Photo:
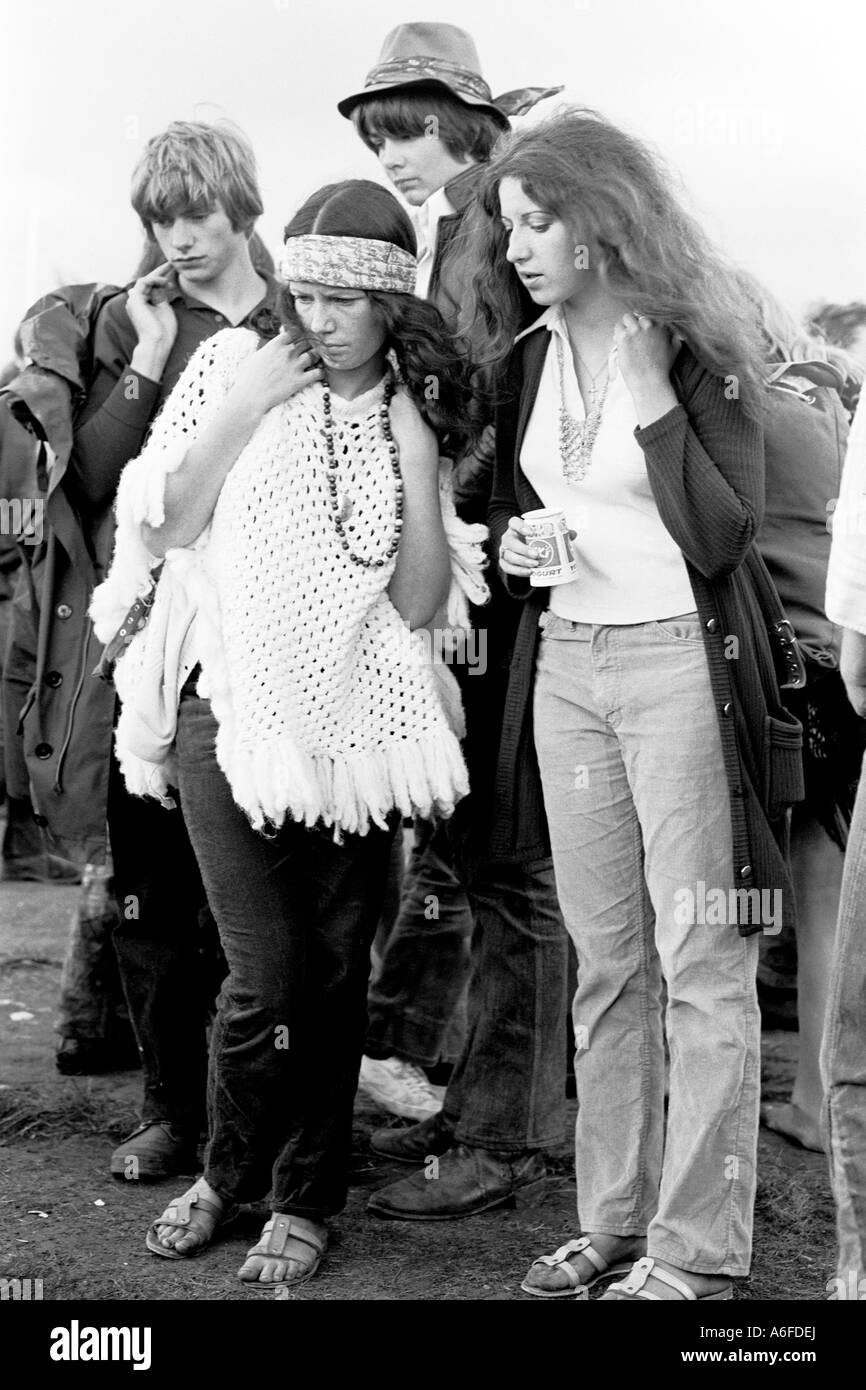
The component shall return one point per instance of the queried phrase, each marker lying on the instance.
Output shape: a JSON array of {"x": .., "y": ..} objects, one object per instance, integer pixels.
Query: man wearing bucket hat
[{"x": 428, "y": 114}]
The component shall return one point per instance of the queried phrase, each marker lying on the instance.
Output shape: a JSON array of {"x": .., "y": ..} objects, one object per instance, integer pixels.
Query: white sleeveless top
[{"x": 631, "y": 569}]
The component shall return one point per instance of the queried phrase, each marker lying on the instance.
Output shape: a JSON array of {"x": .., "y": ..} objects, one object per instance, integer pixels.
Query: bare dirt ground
[{"x": 65, "y": 1220}]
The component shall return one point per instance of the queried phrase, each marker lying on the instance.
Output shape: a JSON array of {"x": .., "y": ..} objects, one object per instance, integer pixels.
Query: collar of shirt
[
  {"x": 552, "y": 319},
  {"x": 261, "y": 317},
  {"x": 426, "y": 221}
]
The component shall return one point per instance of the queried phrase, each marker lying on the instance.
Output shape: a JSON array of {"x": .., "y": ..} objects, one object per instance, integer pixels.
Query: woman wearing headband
[
  {"x": 634, "y": 407},
  {"x": 293, "y": 489}
]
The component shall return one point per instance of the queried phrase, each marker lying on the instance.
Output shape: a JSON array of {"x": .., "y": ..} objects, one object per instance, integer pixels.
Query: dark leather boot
[
  {"x": 463, "y": 1182},
  {"x": 413, "y": 1144},
  {"x": 154, "y": 1151}
]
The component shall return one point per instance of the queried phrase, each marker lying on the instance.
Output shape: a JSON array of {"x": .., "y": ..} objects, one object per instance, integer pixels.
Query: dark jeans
[
  {"x": 167, "y": 951},
  {"x": 91, "y": 1005},
  {"x": 417, "y": 1003},
  {"x": 297, "y": 914},
  {"x": 508, "y": 1086}
]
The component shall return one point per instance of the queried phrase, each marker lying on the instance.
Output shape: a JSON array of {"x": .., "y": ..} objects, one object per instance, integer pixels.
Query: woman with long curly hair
[
  {"x": 642, "y": 684},
  {"x": 281, "y": 684}
]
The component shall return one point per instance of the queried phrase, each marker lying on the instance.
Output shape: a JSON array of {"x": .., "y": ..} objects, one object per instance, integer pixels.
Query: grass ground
[{"x": 65, "y": 1220}]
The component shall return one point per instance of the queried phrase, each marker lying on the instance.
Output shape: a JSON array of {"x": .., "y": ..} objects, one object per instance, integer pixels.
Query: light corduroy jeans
[{"x": 638, "y": 805}]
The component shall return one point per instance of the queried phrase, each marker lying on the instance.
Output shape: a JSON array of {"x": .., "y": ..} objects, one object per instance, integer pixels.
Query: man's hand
[
  {"x": 852, "y": 664},
  {"x": 154, "y": 321}
]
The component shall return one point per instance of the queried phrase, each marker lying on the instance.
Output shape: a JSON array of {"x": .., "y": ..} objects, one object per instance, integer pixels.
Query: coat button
[
  {"x": 746, "y": 871},
  {"x": 53, "y": 678},
  {"x": 712, "y": 625},
  {"x": 727, "y": 709},
  {"x": 43, "y": 750},
  {"x": 63, "y": 610},
  {"x": 41, "y": 821}
]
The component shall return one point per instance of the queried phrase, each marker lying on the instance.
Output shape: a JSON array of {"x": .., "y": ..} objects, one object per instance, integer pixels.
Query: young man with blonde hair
[{"x": 195, "y": 189}]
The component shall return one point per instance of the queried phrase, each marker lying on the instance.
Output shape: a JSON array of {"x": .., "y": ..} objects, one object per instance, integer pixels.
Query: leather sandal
[
  {"x": 559, "y": 1260},
  {"x": 634, "y": 1286},
  {"x": 180, "y": 1212},
  {"x": 275, "y": 1234}
]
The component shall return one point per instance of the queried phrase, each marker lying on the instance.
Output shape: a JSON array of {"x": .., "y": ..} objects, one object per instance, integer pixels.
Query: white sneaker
[{"x": 398, "y": 1087}]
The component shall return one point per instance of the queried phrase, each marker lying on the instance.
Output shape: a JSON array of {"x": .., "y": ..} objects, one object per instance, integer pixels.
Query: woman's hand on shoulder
[
  {"x": 274, "y": 373},
  {"x": 415, "y": 440},
  {"x": 645, "y": 353}
]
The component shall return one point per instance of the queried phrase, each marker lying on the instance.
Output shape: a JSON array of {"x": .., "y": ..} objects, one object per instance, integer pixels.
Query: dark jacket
[
  {"x": 805, "y": 436},
  {"x": 473, "y": 473},
  {"x": 18, "y": 458},
  {"x": 705, "y": 464},
  {"x": 94, "y": 414},
  {"x": 483, "y": 684},
  {"x": 51, "y": 613},
  {"x": 446, "y": 289}
]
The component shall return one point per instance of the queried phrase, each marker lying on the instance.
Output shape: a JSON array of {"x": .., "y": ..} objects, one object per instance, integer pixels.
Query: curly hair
[
  {"x": 586, "y": 172},
  {"x": 432, "y": 362},
  {"x": 789, "y": 339}
]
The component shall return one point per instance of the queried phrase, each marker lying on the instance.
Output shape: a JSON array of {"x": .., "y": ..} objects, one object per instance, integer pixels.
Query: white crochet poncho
[{"x": 329, "y": 710}]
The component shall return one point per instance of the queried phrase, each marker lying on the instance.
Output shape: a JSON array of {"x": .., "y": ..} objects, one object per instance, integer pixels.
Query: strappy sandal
[
  {"x": 559, "y": 1260},
  {"x": 179, "y": 1212},
  {"x": 275, "y": 1233},
  {"x": 635, "y": 1285}
]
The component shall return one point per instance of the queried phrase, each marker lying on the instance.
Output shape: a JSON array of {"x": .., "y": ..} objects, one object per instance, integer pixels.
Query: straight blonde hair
[{"x": 191, "y": 168}]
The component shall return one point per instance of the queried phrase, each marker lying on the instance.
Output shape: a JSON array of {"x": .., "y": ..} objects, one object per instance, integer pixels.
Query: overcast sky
[{"x": 757, "y": 103}]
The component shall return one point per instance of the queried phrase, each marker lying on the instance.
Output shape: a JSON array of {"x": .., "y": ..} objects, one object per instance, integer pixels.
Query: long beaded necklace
[
  {"x": 577, "y": 437},
  {"x": 338, "y": 509}
]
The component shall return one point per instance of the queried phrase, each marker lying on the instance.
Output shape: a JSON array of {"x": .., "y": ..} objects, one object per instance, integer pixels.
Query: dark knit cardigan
[{"x": 705, "y": 464}]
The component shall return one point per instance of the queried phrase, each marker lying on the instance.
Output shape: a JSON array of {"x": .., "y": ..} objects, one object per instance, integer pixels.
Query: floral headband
[{"x": 349, "y": 262}]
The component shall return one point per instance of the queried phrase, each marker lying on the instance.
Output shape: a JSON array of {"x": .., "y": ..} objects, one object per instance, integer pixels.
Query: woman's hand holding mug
[{"x": 518, "y": 556}]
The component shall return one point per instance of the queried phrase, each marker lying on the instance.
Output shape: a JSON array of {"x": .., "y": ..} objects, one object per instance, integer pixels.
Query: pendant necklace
[
  {"x": 339, "y": 506},
  {"x": 577, "y": 437},
  {"x": 593, "y": 389}
]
